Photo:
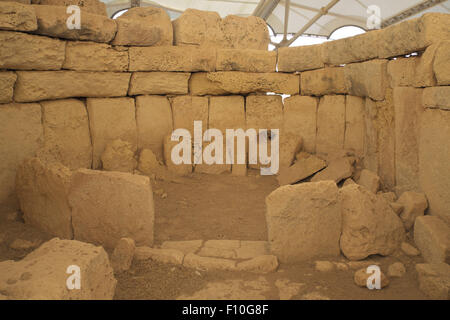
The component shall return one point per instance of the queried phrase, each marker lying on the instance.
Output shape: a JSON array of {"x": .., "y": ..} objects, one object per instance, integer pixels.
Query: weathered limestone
[
  {"x": 434, "y": 172},
  {"x": 119, "y": 156},
  {"x": 414, "y": 205},
  {"x": 409, "y": 250},
  {"x": 441, "y": 64},
  {"x": 187, "y": 109},
  {"x": 324, "y": 266},
  {"x": 91, "y": 56},
  {"x": 371, "y": 148},
  {"x": 151, "y": 166},
  {"x": 369, "y": 180},
  {"x": 181, "y": 169},
  {"x": 396, "y": 270},
  {"x": 359, "y": 84},
  {"x": 7, "y": 81},
  {"x": 226, "y": 112},
  {"x": 16, "y": 16},
  {"x": 361, "y": 276},
  {"x": 108, "y": 206},
  {"x": 369, "y": 226},
  {"x": 300, "y": 58},
  {"x": 354, "y": 124},
  {"x": 159, "y": 83},
  {"x": 402, "y": 72},
  {"x": 123, "y": 254},
  {"x": 21, "y": 135},
  {"x": 44, "y": 273},
  {"x": 194, "y": 261},
  {"x": 200, "y": 85},
  {"x": 43, "y": 189},
  {"x": 247, "y": 60},
  {"x": 66, "y": 132},
  {"x": 432, "y": 238},
  {"x": 436, "y": 97},
  {"x": 290, "y": 144},
  {"x": 21, "y": 51},
  {"x": 49, "y": 85},
  {"x": 337, "y": 170},
  {"x": 171, "y": 256},
  {"x": 135, "y": 33},
  {"x": 323, "y": 82},
  {"x": 300, "y": 114},
  {"x": 264, "y": 112},
  {"x": 153, "y": 16},
  {"x": 245, "y": 33},
  {"x": 252, "y": 249},
  {"x": 424, "y": 75},
  {"x": 304, "y": 221},
  {"x": 91, "y": 6},
  {"x": 188, "y": 246},
  {"x": 260, "y": 264},
  {"x": 242, "y": 83},
  {"x": 103, "y": 113},
  {"x": 434, "y": 280},
  {"x": 154, "y": 122},
  {"x": 330, "y": 124},
  {"x": 52, "y": 21},
  {"x": 172, "y": 58},
  {"x": 300, "y": 170}
]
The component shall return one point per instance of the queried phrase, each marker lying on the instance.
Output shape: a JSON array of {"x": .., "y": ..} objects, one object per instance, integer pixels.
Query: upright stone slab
[
  {"x": 264, "y": 112},
  {"x": 7, "y": 81},
  {"x": 370, "y": 160},
  {"x": 424, "y": 73},
  {"x": 108, "y": 206},
  {"x": 436, "y": 98},
  {"x": 200, "y": 85},
  {"x": 354, "y": 124},
  {"x": 402, "y": 72},
  {"x": 301, "y": 58},
  {"x": 18, "y": 17},
  {"x": 330, "y": 124},
  {"x": 441, "y": 64},
  {"x": 247, "y": 60},
  {"x": 159, "y": 83},
  {"x": 432, "y": 238},
  {"x": 359, "y": 84},
  {"x": 323, "y": 81},
  {"x": 111, "y": 119},
  {"x": 187, "y": 109}
]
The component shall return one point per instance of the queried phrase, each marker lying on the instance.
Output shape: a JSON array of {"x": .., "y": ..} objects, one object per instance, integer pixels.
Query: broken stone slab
[
  {"x": 21, "y": 51},
  {"x": 300, "y": 58},
  {"x": 402, "y": 71},
  {"x": 108, "y": 206},
  {"x": 290, "y": 144},
  {"x": 192, "y": 260},
  {"x": 159, "y": 83},
  {"x": 247, "y": 60},
  {"x": 260, "y": 264},
  {"x": 17, "y": 16},
  {"x": 369, "y": 226},
  {"x": 414, "y": 205},
  {"x": 361, "y": 276},
  {"x": 52, "y": 21},
  {"x": 358, "y": 84},
  {"x": 119, "y": 156},
  {"x": 432, "y": 238},
  {"x": 7, "y": 81},
  {"x": 171, "y": 58},
  {"x": 300, "y": 170},
  {"x": 123, "y": 254},
  {"x": 252, "y": 249},
  {"x": 43, "y": 190},
  {"x": 51, "y": 85},
  {"x": 337, "y": 170},
  {"x": 409, "y": 250},
  {"x": 187, "y": 246},
  {"x": 369, "y": 180},
  {"x": 436, "y": 98},
  {"x": 91, "y": 6},
  {"x": 441, "y": 64},
  {"x": 22, "y": 244},
  {"x": 217, "y": 253},
  {"x": 171, "y": 256},
  {"x": 304, "y": 221},
  {"x": 434, "y": 280},
  {"x": 45, "y": 273},
  {"x": 396, "y": 270},
  {"x": 91, "y": 56},
  {"x": 323, "y": 82},
  {"x": 200, "y": 85},
  {"x": 222, "y": 244}
]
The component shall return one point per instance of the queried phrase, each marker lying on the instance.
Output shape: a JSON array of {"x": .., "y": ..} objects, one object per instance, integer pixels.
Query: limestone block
[
  {"x": 91, "y": 6},
  {"x": 119, "y": 156},
  {"x": 247, "y": 60},
  {"x": 187, "y": 246},
  {"x": 424, "y": 74},
  {"x": 290, "y": 144},
  {"x": 181, "y": 169},
  {"x": 434, "y": 279},
  {"x": 323, "y": 81},
  {"x": 432, "y": 238},
  {"x": 371, "y": 149},
  {"x": 354, "y": 124},
  {"x": 226, "y": 112},
  {"x": 300, "y": 170},
  {"x": 200, "y": 85},
  {"x": 330, "y": 124},
  {"x": 252, "y": 249},
  {"x": 301, "y": 58},
  {"x": 359, "y": 84},
  {"x": 264, "y": 112},
  {"x": 260, "y": 264},
  {"x": 171, "y": 256},
  {"x": 135, "y": 33},
  {"x": 337, "y": 170},
  {"x": 108, "y": 206},
  {"x": 192, "y": 260},
  {"x": 7, "y": 81},
  {"x": 414, "y": 205},
  {"x": 245, "y": 32},
  {"x": 361, "y": 276},
  {"x": 436, "y": 97},
  {"x": 17, "y": 16},
  {"x": 123, "y": 254},
  {"x": 187, "y": 109},
  {"x": 402, "y": 72},
  {"x": 159, "y": 83},
  {"x": 441, "y": 64},
  {"x": 369, "y": 180}
]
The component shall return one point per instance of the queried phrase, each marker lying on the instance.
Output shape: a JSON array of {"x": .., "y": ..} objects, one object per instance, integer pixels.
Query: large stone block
[
  {"x": 21, "y": 135},
  {"x": 48, "y": 85},
  {"x": 323, "y": 81},
  {"x": 43, "y": 190},
  {"x": 200, "y": 85},
  {"x": 247, "y": 60},
  {"x": 52, "y": 21},
  {"x": 304, "y": 221},
  {"x": 264, "y": 112},
  {"x": 432, "y": 238},
  {"x": 159, "y": 83},
  {"x": 300, "y": 58},
  {"x": 7, "y": 81},
  {"x": 91, "y": 6},
  {"x": 181, "y": 169},
  {"x": 359, "y": 84},
  {"x": 187, "y": 109},
  {"x": 242, "y": 83},
  {"x": 301, "y": 169},
  {"x": 135, "y": 33},
  {"x": 66, "y": 132},
  {"x": 424, "y": 74},
  {"x": 441, "y": 64},
  {"x": 119, "y": 156},
  {"x": 354, "y": 124},
  {"x": 91, "y": 56},
  {"x": 369, "y": 226},
  {"x": 108, "y": 206},
  {"x": 330, "y": 124},
  {"x": 436, "y": 98},
  {"x": 434, "y": 280},
  {"x": 22, "y": 51},
  {"x": 226, "y": 113},
  {"x": 111, "y": 119},
  {"x": 44, "y": 273},
  {"x": 370, "y": 159},
  {"x": 245, "y": 32},
  {"x": 434, "y": 172},
  {"x": 16, "y": 16},
  {"x": 154, "y": 122},
  {"x": 172, "y": 59},
  {"x": 402, "y": 71}
]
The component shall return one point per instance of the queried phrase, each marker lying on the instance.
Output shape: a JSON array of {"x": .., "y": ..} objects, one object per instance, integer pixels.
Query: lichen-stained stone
[
  {"x": 172, "y": 58},
  {"x": 436, "y": 97},
  {"x": 247, "y": 60},
  {"x": 21, "y": 51},
  {"x": 424, "y": 74},
  {"x": 43, "y": 189},
  {"x": 66, "y": 132},
  {"x": 159, "y": 83},
  {"x": 155, "y": 17},
  {"x": 91, "y": 6},
  {"x": 52, "y": 21},
  {"x": 200, "y": 85},
  {"x": 187, "y": 109},
  {"x": 434, "y": 172},
  {"x": 300, "y": 115},
  {"x": 300, "y": 58},
  {"x": 402, "y": 72},
  {"x": 323, "y": 81},
  {"x": 91, "y": 56},
  {"x": 245, "y": 32},
  {"x": 154, "y": 122},
  {"x": 441, "y": 64},
  {"x": 359, "y": 84},
  {"x": 304, "y": 221},
  {"x": 354, "y": 124},
  {"x": 330, "y": 124},
  {"x": 134, "y": 33},
  {"x": 48, "y": 85},
  {"x": 21, "y": 135},
  {"x": 18, "y": 17},
  {"x": 264, "y": 112},
  {"x": 108, "y": 206},
  {"x": 353, "y": 49},
  {"x": 236, "y": 82},
  {"x": 111, "y": 119},
  {"x": 7, "y": 81}
]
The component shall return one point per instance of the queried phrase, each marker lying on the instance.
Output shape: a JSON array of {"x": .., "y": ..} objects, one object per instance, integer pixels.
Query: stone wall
[{"x": 139, "y": 77}]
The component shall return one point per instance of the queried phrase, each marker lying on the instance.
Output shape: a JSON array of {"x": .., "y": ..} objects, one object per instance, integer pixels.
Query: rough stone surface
[
  {"x": 300, "y": 58},
  {"x": 434, "y": 280},
  {"x": 264, "y": 112},
  {"x": 171, "y": 256},
  {"x": 261, "y": 264},
  {"x": 16, "y": 16},
  {"x": 7, "y": 81},
  {"x": 354, "y": 124},
  {"x": 369, "y": 180},
  {"x": 300, "y": 170},
  {"x": 409, "y": 250},
  {"x": 111, "y": 119},
  {"x": 323, "y": 81},
  {"x": 436, "y": 98},
  {"x": 337, "y": 170},
  {"x": 414, "y": 205},
  {"x": 108, "y": 206},
  {"x": 330, "y": 124},
  {"x": 252, "y": 249},
  {"x": 290, "y": 144},
  {"x": 441, "y": 64},
  {"x": 369, "y": 226},
  {"x": 304, "y": 221},
  {"x": 43, "y": 274},
  {"x": 402, "y": 71},
  {"x": 187, "y": 109},
  {"x": 118, "y": 156},
  {"x": 424, "y": 74},
  {"x": 247, "y": 60},
  {"x": 245, "y": 32},
  {"x": 132, "y": 32},
  {"x": 359, "y": 84},
  {"x": 188, "y": 246},
  {"x": 182, "y": 169},
  {"x": 432, "y": 238},
  {"x": 151, "y": 166},
  {"x": 396, "y": 270},
  {"x": 123, "y": 254},
  {"x": 49, "y": 85},
  {"x": 324, "y": 266},
  {"x": 200, "y": 85},
  {"x": 207, "y": 263},
  {"x": 91, "y": 6},
  {"x": 159, "y": 83},
  {"x": 361, "y": 277}
]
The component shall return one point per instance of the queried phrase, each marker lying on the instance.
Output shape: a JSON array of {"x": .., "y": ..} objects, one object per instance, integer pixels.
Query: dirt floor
[{"x": 223, "y": 207}]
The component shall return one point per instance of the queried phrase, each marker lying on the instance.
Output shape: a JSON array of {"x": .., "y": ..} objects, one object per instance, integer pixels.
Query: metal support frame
[
  {"x": 410, "y": 12},
  {"x": 287, "y": 6},
  {"x": 135, "y": 3},
  {"x": 265, "y": 8}
]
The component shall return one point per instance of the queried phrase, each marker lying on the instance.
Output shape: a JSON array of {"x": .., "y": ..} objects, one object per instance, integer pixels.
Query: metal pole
[{"x": 287, "y": 5}]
